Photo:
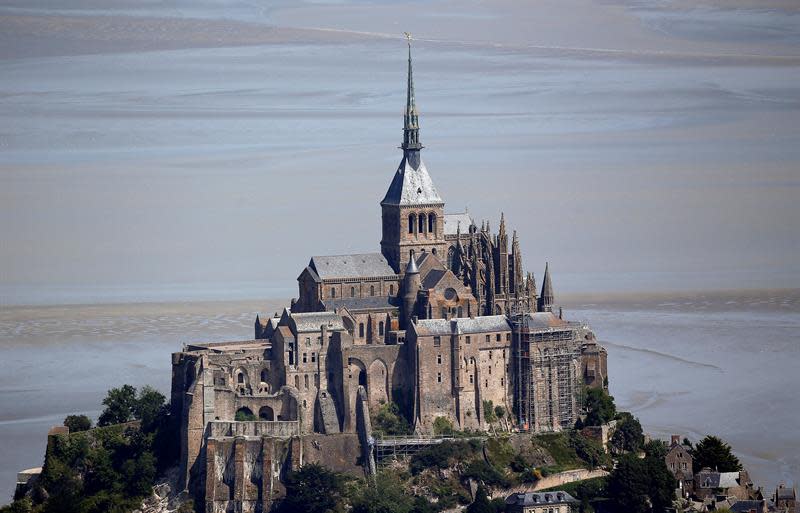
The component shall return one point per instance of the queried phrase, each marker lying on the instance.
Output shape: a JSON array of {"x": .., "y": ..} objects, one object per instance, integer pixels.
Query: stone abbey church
[{"x": 444, "y": 321}]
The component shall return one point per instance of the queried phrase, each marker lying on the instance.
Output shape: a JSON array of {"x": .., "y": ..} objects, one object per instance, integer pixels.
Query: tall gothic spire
[
  {"x": 546, "y": 298},
  {"x": 411, "y": 119}
]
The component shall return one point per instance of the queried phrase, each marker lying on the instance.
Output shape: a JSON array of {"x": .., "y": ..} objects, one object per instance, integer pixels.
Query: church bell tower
[{"x": 412, "y": 210}]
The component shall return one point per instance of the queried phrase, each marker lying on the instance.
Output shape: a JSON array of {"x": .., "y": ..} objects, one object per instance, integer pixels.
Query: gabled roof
[
  {"x": 466, "y": 325},
  {"x": 538, "y": 498},
  {"x": 411, "y": 185},
  {"x": 362, "y": 265},
  {"x": 355, "y": 304},
  {"x": 453, "y": 221},
  {"x": 747, "y": 506},
  {"x": 543, "y": 320},
  {"x": 312, "y": 321}
]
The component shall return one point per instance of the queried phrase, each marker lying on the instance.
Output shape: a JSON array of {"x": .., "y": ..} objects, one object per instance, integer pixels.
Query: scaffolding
[{"x": 546, "y": 385}]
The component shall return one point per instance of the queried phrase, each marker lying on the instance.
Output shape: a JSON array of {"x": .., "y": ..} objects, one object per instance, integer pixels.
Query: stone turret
[{"x": 411, "y": 286}]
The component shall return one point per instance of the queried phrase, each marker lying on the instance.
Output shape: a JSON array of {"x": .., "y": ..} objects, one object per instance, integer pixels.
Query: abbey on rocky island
[{"x": 443, "y": 321}]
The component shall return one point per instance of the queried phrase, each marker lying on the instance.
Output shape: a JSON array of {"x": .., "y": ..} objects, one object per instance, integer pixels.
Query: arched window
[
  {"x": 264, "y": 376},
  {"x": 421, "y": 223},
  {"x": 361, "y": 330},
  {"x": 333, "y": 292},
  {"x": 297, "y": 381},
  {"x": 380, "y": 328},
  {"x": 352, "y": 292},
  {"x": 240, "y": 378},
  {"x": 372, "y": 290},
  {"x": 391, "y": 290},
  {"x": 412, "y": 219},
  {"x": 305, "y": 381},
  {"x": 433, "y": 250},
  {"x": 432, "y": 223},
  {"x": 451, "y": 254}
]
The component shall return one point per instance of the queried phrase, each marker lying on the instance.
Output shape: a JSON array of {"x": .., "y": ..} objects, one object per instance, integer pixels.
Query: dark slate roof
[
  {"x": 411, "y": 186},
  {"x": 362, "y": 303},
  {"x": 747, "y": 506},
  {"x": 364, "y": 265},
  {"x": 786, "y": 493},
  {"x": 310, "y": 322},
  {"x": 537, "y": 498},
  {"x": 453, "y": 221},
  {"x": 712, "y": 479},
  {"x": 466, "y": 325},
  {"x": 432, "y": 278}
]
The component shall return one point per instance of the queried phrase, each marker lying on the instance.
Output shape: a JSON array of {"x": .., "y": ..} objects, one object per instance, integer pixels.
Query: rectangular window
[
  {"x": 439, "y": 359},
  {"x": 497, "y": 337},
  {"x": 468, "y": 340},
  {"x": 313, "y": 357},
  {"x": 508, "y": 337},
  {"x": 305, "y": 357},
  {"x": 486, "y": 384},
  {"x": 308, "y": 341},
  {"x": 439, "y": 377},
  {"x": 437, "y": 341},
  {"x": 471, "y": 379},
  {"x": 502, "y": 382}
]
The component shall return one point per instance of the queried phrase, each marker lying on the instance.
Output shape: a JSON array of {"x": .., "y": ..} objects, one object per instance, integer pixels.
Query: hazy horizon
[{"x": 206, "y": 150}]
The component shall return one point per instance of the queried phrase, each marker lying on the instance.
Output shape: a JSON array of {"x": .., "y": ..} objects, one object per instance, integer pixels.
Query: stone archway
[
  {"x": 377, "y": 378},
  {"x": 266, "y": 413}
]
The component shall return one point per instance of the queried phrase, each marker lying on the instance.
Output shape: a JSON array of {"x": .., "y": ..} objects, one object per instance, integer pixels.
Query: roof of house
[
  {"x": 747, "y": 506},
  {"x": 713, "y": 479},
  {"x": 361, "y": 303},
  {"x": 363, "y": 265},
  {"x": 784, "y": 492},
  {"x": 541, "y": 320},
  {"x": 535, "y": 498},
  {"x": 411, "y": 185},
  {"x": 453, "y": 221},
  {"x": 466, "y": 325},
  {"x": 312, "y": 321}
]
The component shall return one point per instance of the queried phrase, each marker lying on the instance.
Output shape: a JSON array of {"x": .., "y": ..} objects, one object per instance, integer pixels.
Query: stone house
[
  {"x": 679, "y": 461},
  {"x": 708, "y": 483},
  {"x": 785, "y": 499},
  {"x": 541, "y": 502}
]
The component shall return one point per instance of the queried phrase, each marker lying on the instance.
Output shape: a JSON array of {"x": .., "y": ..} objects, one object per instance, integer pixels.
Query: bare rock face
[
  {"x": 164, "y": 499},
  {"x": 531, "y": 454}
]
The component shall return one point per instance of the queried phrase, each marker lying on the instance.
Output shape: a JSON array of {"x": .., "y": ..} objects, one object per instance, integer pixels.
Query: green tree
[
  {"x": 314, "y": 489},
  {"x": 499, "y": 411},
  {"x": 149, "y": 405},
  {"x": 588, "y": 450},
  {"x": 385, "y": 495},
  {"x": 714, "y": 453},
  {"x": 488, "y": 412},
  {"x": 655, "y": 449},
  {"x": 641, "y": 485},
  {"x": 120, "y": 404},
  {"x": 389, "y": 421},
  {"x": 600, "y": 407},
  {"x": 77, "y": 423},
  {"x": 628, "y": 437}
]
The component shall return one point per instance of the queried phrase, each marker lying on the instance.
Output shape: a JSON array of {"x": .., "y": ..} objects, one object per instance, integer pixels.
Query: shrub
[
  {"x": 440, "y": 456},
  {"x": 389, "y": 422},
  {"x": 485, "y": 473},
  {"x": 442, "y": 426},
  {"x": 488, "y": 412},
  {"x": 600, "y": 407}
]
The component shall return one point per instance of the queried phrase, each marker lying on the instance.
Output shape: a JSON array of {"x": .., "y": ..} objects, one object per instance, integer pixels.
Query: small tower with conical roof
[
  {"x": 546, "y": 298},
  {"x": 411, "y": 286}
]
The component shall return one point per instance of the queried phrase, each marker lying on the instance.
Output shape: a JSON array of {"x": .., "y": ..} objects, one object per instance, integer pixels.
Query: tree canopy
[
  {"x": 600, "y": 407},
  {"x": 314, "y": 489},
  {"x": 714, "y": 453},
  {"x": 77, "y": 423},
  {"x": 641, "y": 485},
  {"x": 628, "y": 437}
]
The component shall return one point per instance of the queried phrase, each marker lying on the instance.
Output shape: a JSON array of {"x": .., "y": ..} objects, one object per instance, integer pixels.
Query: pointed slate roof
[
  {"x": 547, "y": 284},
  {"x": 411, "y": 185}
]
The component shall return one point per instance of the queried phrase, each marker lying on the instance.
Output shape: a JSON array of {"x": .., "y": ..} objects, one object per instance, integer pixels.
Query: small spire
[
  {"x": 502, "y": 223},
  {"x": 546, "y": 298},
  {"x": 411, "y": 118}
]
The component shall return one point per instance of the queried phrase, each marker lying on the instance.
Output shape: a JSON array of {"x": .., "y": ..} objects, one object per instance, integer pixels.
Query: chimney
[{"x": 676, "y": 439}]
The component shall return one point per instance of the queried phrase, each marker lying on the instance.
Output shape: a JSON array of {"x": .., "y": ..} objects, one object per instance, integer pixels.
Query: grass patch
[{"x": 559, "y": 447}]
